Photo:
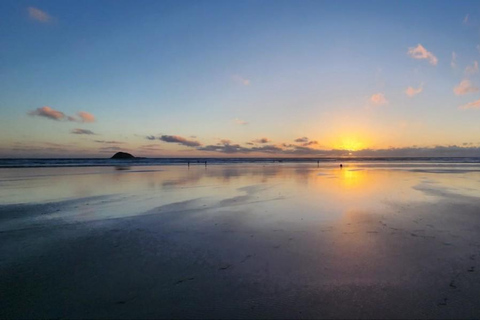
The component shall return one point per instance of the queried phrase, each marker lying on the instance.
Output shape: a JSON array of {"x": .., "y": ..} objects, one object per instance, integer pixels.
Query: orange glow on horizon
[{"x": 350, "y": 144}]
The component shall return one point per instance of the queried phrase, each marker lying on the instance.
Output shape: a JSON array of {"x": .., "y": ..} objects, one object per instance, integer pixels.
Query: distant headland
[{"x": 122, "y": 155}]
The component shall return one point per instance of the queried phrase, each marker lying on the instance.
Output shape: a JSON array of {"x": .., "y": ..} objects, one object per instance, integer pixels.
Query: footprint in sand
[
  {"x": 225, "y": 267},
  {"x": 452, "y": 284},
  {"x": 184, "y": 280},
  {"x": 443, "y": 302}
]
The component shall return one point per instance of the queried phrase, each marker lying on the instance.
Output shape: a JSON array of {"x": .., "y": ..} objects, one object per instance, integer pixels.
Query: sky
[{"x": 239, "y": 78}]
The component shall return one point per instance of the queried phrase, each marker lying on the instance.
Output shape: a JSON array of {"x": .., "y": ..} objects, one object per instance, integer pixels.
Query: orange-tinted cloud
[
  {"x": 471, "y": 105},
  {"x": 86, "y": 117},
  {"x": 48, "y": 112},
  {"x": 419, "y": 52},
  {"x": 410, "y": 91},
  {"x": 465, "y": 87},
  {"x": 53, "y": 114},
  {"x": 38, "y": 15},
  {"x": 378, "y": 99}
]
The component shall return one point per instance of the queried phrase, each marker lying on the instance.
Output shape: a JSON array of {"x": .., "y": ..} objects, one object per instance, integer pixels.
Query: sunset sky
[{"x": 239, "y": 78}]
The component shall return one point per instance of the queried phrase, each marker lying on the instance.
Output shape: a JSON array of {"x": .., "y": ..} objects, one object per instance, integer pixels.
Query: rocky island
[{"x": 122, "y": 155}]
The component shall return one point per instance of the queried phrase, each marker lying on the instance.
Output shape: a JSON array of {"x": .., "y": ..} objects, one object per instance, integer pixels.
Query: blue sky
[{"x": 211, "y": 71}]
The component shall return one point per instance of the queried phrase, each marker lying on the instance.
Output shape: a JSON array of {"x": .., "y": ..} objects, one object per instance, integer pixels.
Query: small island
[{"x": 122, "y": 155}]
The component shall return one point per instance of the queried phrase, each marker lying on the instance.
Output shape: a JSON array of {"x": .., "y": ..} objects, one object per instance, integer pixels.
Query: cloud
[
  {"x": 465, "y": 20},
  {"x": 241, "y": 80},
  {"x": 53, "y": 114},
  {"x": 109, "y": 141},
  {"x": 410, "y": 91},
  {"x": 262, "y": 140},
  {"x": 465, "y": 87},
  {"x": 419, "y": 52},
  {"x": 303, "y": 139},
  {"x": 225, "y": 141},
  {"x": 292, "y": 150},
  {"x": 226, "y": 148},
  {"x": 179, "y": 140},
  {"x": 81, "y": 131},
  {"x": 150, "y": 137},
  {"x": 310, "y": 143},
  {"x": 378, "y": 99},
  {"x": 471, "y": 105},
  {"x": 48, "y": 112},
  {"x": 241, "y": 122},
  {"x": 453, "y": 62},
  {"x": 38, "y": 15},
  {"x": 469, "y": 70},
  {"x": 86, "y": 117}
]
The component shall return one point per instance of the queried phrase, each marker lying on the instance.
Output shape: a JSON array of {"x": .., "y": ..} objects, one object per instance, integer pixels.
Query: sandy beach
[{"x": 370, "y": 240}]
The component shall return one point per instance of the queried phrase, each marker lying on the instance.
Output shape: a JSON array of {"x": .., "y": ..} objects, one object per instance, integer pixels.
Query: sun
[{"x": 350, "y": 144}]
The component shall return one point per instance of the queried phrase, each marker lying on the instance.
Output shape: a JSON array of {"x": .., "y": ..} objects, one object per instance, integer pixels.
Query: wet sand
[{"x": 241, "y": 241}]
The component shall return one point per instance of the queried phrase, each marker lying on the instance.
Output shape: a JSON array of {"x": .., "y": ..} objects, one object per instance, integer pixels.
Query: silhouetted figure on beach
[
  {"x": 341, "y": 166},
  {"x": 188, "y": 164},
  {"x": 205, "y": 163},
  {"x": 318, "y": 163}
]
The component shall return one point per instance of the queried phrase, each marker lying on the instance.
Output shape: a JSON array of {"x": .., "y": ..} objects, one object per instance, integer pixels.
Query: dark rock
[{"x": 122, "y": 155}]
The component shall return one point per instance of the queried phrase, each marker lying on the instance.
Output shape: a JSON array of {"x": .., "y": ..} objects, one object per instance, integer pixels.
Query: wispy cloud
[
  {"x": 48, "y": 112},
  {"x": 53, "y": 114},
  {"x": 469, "y": 70},
  {"x": 310, "y": 143},
  {"x": 453, "y": 62},
  {"x": 262, "y": 140},
  {"x": 241, "y": 122},
  {"x": 411, "y": 91},
  {"x": 109, "y": 141},
  {"x": 38, "y": 15},
  {"x": 419, "y": 52},
  {"x": 465, "y": 87},
  {"x": 176, "y": 139},
  {"x": 378, "y": 99},
  {"x": 81, "y": 131},
  {"x": 465, "y": 20},
  {"x": 304, "y": 142},
  {"x": 241, "y": 80},
  {"x": 471, "y": 105},
  {"x": 86, "y": 117},
  {"x": 302, "y": 139}
]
